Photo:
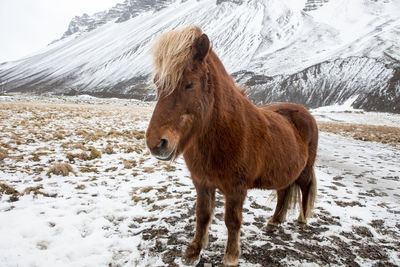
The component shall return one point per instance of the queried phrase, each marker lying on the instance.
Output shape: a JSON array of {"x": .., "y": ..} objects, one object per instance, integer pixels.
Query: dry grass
[
  {"x": 111, "y": 169},
  {"x": 109, "y": 149},
  {"x": 137, "y": 148},
  {"x": 146, "y": 189},
  {"x": 139, "y": 135},
  {"x": 9, "y": 190},
  {"x": 63, "y": 169},
  {"x": 34, "y": 134},
  {"x": 169, "y": 168},
  {"x": 94, "y": 153},
  {"x": 71, "y": 157},
  {"x": 36, "y": 156},
  {"x": 89, "y": 169},
  {"x": 129, "y": 164},
  {"x": 36, "y": 191},
  {"x": 3, "y": 154},
  {"x": 375, "y": 133},
  {"x": 149, "y": 169},
  {"x": 80, "y": 187}
]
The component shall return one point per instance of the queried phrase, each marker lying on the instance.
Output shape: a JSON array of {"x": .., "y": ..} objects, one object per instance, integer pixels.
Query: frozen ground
[{"x": 127, "y": 209}]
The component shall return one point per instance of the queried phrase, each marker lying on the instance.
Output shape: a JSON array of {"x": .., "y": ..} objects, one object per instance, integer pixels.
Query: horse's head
[{"x": 182, "y": 85}]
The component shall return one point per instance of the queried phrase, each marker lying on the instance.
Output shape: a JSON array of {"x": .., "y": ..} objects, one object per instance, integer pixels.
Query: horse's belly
[{"x": 283, "y": 171}]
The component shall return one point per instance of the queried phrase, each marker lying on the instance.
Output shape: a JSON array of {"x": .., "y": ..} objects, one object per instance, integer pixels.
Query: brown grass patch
[
  {"x": 36, "y": 156},
  {"x": 80, "y": 187},
  {"x": 61, "y": 169},
  {"x": 94, "y": 153},
  {"x": 36, "y": 191},
  {"x": 79, "y": 146},
  {"x": 3, "y": 154},
  {"x": 129, "y": 149},
  {"x": 149, "y": 169},
  {"x": 109, "y": 149},
  {"x": 59, "y": 136},
  {"x": 8, "y": 190},
  {"x": 129, "y": 164},
  {"x": 136, "y": 198},
  {"x": 111, "y": 169},
  {"x": 138, "y": 134},
  {"x": 146, "y": 189},
  {"x": 71, "y": 157},
  {"x": 169, "y": 168},
  {"x": 89, "y": 169},
  {"x": 83, "y": 156},
  {"x": 5, "y": 145},
  {"x": 375, "y": 133}
]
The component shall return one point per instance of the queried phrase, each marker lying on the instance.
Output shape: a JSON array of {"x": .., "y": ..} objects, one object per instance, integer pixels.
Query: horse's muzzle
[{"x": 162, "y": 150}]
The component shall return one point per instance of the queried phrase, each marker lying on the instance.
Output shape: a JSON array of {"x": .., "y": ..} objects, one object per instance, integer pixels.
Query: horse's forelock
[{"x": 172, "y": 52}]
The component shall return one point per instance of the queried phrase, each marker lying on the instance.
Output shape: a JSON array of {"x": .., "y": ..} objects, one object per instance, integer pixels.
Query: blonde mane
[{"x": 172, "y": 52}]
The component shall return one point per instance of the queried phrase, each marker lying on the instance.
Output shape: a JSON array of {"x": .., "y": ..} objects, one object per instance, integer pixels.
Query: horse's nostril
[{"x": 163, "y": 144}]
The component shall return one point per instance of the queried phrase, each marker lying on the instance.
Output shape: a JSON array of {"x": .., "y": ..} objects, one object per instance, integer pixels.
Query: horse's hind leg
[
  {"x": 286, "y": 198},
  {"x": 308, "y": 186},
  {"x": 204, "y": 209}
]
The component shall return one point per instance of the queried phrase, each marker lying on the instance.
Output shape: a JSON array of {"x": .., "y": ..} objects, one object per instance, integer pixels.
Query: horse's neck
[{"x": 230, "y": 108}]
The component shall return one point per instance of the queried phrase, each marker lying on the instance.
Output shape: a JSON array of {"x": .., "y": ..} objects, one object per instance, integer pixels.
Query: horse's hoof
[
  {"x": 271, "y": 228},
  {"x": 192, "y": 255},
  {"x": 302, "y": 225},
  {"x": 272, "y": 225},
  {"x": 230, "y": 260},
  {"x": 190, "y": 261}
]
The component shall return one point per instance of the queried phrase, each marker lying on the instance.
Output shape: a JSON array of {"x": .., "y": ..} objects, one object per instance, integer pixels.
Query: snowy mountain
[
  {"x": 315, "y": 52},
  {"x": 119, "y": 13},
  {"x": 367, "y": 82}
]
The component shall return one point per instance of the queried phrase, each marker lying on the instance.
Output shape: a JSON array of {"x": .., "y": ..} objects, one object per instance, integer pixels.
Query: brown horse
[{"x": 226, "y": 141}]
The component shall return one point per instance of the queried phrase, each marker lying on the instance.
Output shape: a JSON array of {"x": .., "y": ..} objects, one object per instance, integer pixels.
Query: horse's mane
[{"x": 172, "y": 52}]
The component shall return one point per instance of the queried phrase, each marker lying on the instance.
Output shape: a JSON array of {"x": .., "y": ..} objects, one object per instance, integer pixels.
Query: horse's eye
[{"x": 189, "y": 86}]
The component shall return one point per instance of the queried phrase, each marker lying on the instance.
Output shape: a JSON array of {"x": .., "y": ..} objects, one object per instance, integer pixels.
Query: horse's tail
[
  {"x": 308, "y": 198},
  {"x": 291, "y": 198},
  {"x": 304, "y": 195},
  {"x": 312, "y": 193}
]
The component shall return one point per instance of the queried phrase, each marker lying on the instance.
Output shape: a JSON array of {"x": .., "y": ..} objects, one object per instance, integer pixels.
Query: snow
[
  {"x": 95, "y": 221},
  {"x": 347, "y": 114},
  {"x": 339, "y": 107}
]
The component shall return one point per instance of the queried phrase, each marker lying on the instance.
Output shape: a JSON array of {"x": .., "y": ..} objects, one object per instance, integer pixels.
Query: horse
[{"x": 227, "y": 143}]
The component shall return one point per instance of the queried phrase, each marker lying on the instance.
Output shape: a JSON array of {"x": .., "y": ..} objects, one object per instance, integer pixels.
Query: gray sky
[{"x": 27, "y": 26}]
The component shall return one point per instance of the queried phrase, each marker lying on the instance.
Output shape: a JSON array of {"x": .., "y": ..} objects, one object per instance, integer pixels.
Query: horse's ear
[{"x": 202, "y": 47}]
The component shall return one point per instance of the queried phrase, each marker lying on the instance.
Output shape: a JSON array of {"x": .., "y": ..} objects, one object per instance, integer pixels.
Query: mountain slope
[
  {"x": 107, "y": 55},
  {"x": 368, "y": 83}
]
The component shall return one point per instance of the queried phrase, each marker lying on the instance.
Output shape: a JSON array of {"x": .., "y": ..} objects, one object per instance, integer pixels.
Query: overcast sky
[{"x": 27, "y": 26}]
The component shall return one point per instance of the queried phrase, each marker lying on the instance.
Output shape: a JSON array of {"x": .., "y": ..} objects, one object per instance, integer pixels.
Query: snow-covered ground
[
  {"x": 346, "y": 114},
  {"x": 127, "y": 209}
]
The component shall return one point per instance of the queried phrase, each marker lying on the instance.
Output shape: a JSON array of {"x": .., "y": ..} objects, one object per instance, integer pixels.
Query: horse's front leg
[
  {"x": 233, "y": 221},
  {"x": 205, "y": 204}
]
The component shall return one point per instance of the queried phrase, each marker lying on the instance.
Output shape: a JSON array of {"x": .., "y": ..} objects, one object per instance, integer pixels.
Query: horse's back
[{"x": 301, "y": 119}]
